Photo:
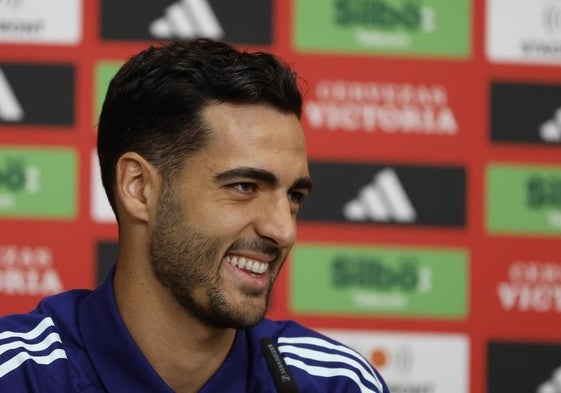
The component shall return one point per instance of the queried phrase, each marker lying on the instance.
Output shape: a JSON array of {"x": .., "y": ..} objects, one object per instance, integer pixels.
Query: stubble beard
[{"x": 184, "y": 260}]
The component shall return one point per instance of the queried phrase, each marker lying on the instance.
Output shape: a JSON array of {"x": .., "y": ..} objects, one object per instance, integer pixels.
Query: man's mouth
[{"x": 247, "y": 264}]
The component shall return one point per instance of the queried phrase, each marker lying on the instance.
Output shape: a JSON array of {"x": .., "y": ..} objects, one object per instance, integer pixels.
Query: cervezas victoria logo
[
  {"x": 28, "y": 270},
  {"x": 531, "y": 286},
  {"x": 386, "y": 107}
]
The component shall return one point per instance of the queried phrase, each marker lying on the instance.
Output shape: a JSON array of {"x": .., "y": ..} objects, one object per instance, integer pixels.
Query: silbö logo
[
  {"x": 379, "y": 280},
  {"x": 16, "y": 177},
  {"x": 378, "y": 283},
  {"x": 534, "y": 195},
  {"x": 374, "y": 273},
  {"x": 383, "y": 15},
  {"x": 378, "y": 22}
]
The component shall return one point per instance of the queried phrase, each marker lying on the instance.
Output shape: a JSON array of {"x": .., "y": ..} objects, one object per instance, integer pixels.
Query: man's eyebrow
[
  {"x": 247, "y": 172},
  {"x": 261, "y": 175},
  {"x": 303, "y": 183}
]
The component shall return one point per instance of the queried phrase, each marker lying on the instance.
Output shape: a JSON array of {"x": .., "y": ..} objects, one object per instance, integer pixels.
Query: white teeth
[{"x": 247, "y": 264}]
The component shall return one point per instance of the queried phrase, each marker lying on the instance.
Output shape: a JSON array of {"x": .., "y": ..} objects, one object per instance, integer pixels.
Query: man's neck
[{"x": 182, "y": 350}]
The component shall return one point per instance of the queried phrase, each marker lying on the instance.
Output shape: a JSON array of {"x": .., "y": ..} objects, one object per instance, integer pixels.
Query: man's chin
[
  {"x": 249, "y": 315},
  {"x": 238, "y": 313},
  {"x": 235, "y": 321}
]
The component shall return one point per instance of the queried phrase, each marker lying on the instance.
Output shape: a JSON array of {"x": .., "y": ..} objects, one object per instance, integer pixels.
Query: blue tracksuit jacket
[{"x": 77, "y": 342}]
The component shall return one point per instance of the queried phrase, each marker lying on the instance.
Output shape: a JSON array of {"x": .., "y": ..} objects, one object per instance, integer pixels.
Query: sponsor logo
[
  {"x": 187, "y": 19},
  {"x": 101, "y": 210},
  {"x": 382, "y": 200},
  {"x": 10, "y": 108},
  {"x": 379, "y": 281},
  {"x": 183, "y": 19},
  {"x": 104, "y": 72},
  {"x": 387, "y": 107},
  {"x": 536, "y": 365},
  {"x": 107, "y": 253},
  {"x": 41, "y": 21},
  {"x": 421, "y": 27},
  {"x": 525, "y": 113},
  {"x": 402, "y": 359},
  {"x": 537, "y": 39},
  {"x": 524, "y": 199},
  {"x": 36, "y": 94},
  {"x": 550, "y": 131},
  {"x": 553, "y": 385},
  {"x": 28, "y": 270},
  {"x": 37, "y": 183},
  {"x": 531, "y": 287},
  {"x": 378, "y": 194}
]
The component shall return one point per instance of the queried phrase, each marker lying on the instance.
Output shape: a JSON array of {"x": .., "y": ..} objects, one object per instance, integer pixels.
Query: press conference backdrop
[{"x": 432, "y": 241}]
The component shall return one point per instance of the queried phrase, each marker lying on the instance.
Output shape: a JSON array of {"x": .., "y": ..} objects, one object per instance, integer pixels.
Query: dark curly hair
[{"x": 154, "y": 103}]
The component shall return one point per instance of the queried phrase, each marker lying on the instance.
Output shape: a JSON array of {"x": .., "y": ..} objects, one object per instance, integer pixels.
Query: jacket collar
[{"x": 121, "y": 365}]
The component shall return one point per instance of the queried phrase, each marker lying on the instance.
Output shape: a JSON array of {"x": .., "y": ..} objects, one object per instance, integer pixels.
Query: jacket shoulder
[
  {"x": 319, "y": 363},
  {"x": 34, "y": 354}
]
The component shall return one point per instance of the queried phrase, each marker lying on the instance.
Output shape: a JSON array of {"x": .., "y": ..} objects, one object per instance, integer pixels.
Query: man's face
[{"x": 228, "y": 221}]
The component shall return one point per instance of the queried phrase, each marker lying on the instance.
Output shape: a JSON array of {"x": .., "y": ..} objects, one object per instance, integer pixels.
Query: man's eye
[
  {"x": 244, "y": 188},
  {"x": 297, "y": 196}
]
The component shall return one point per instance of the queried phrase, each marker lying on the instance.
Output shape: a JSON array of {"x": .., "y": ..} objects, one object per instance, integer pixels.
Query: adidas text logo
[
  {"x": 382, "y": 200},
  {"x": 550, "y": 131},
  {"x": 10, "y": 109},
  {"x": 187, "y": 19}
]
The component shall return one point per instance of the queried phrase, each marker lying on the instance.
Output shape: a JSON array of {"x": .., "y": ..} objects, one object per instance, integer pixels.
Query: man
[{"x": 203, "y": 159}]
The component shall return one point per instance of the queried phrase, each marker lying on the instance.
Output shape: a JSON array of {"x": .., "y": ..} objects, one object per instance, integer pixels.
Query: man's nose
[{"x": 276, "y": 221}]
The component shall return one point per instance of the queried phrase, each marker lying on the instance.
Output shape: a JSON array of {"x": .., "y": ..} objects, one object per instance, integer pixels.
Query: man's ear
[{"x": 137, "y": 186}]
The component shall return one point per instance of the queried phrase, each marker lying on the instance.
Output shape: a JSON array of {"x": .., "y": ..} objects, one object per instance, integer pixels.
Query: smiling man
[{"x": 203, "y": 159}]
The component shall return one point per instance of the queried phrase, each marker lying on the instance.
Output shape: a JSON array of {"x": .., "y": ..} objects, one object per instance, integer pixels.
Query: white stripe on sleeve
[
  {"x": 40, "y": 328},
  {"x": 329, "y": 345},
  {"x": 330, "y": 357},
  {"x": 329, "y": 372},
  {"x": 46, "y": 343},
  {"x": 21, "y": 357}
]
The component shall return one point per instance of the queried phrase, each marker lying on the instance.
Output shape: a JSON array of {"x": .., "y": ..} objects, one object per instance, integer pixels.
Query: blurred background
[{"x": 431, "y": 243}]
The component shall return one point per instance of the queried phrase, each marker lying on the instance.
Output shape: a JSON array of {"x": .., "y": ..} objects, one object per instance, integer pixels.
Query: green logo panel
[
  {"x": 105, "y": 71},
  {"x": 524, "y": 199},
  {"x": 379, "y": 281},
  {"x": 406, "y": 27},
  {"x": 38, "y": 183}
]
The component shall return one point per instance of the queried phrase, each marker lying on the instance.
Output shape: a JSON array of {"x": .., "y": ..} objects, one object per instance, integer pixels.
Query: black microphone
[{"x": 284, "y": 381}]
